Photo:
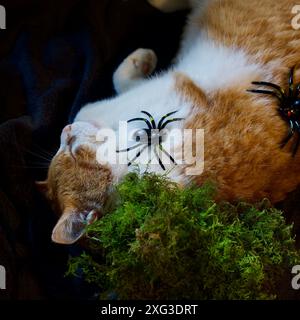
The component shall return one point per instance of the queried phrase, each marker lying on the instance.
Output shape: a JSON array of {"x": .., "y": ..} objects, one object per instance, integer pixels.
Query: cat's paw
[
  {"x": 144, "y": 61},
  {"x": 170, "y": 5},
  {"x": 138, "y": 65}
]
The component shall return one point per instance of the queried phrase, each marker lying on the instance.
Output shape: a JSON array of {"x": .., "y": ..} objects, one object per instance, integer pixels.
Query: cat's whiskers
[
  {"x": 29, "y": 167},
  {"x": 38, "y": 155},
  {"x": 48, "y": 153}
]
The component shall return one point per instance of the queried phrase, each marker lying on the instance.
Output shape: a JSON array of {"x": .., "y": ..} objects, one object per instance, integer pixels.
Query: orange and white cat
[{"x": 227, "y": 44}]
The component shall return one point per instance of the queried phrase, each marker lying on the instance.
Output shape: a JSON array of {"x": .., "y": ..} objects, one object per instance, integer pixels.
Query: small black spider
[
  {"x": 289, "y": 107},
  {"x": 153, "y": 135}
]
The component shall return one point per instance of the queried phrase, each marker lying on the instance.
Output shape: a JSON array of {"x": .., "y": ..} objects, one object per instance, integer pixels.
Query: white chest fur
[{"x": 210, "y": 65}]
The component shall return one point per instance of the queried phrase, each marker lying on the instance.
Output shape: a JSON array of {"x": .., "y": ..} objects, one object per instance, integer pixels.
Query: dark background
[{"x": 55, "y": 56}]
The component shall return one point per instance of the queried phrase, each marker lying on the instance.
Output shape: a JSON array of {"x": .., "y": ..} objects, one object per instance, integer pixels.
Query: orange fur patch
[
  {"x": 77, "y": 181},
  {"x": 243, "y": 131}
]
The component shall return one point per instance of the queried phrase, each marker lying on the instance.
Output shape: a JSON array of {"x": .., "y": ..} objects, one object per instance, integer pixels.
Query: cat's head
[{"x": 76, "y": 185}]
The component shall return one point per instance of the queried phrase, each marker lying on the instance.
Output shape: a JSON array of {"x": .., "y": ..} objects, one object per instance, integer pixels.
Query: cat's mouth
[
  {"x": 77, "y": 135},
  {"x": 70, "y": 142}
]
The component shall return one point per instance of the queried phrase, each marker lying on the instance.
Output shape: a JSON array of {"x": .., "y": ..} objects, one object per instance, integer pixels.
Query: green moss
[{"x": 164, "y": 242}]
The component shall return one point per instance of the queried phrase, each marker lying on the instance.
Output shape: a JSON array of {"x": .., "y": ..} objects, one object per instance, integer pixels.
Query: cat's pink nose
[{"x": 67, "y": 128}]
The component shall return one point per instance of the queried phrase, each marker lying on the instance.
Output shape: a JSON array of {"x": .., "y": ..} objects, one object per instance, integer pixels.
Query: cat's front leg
[
  {"x": 136, "y": 67},
  {"x": 171, "y": 5}
]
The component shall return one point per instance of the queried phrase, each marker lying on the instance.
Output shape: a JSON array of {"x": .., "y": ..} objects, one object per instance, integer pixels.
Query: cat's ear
[
  {"x": 71, "y": 226},
  {"x": 42, "y": 186}
]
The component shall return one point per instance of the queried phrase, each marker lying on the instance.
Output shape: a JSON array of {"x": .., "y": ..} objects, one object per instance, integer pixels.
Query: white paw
[
  {"x": 140, "y": 64},
  {"x": 137, "y": 66},
  {"x": 170, "y": 5},
  {"x": 159, "y": 4},
  {"x": 144, "y": 61}
]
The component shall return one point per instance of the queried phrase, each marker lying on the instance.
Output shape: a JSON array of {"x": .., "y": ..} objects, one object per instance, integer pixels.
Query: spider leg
[
  {"x": 129, "y": 149},
  {"x": 137, "y": 156},
  {"x": 269, "y": 84},
  {"x": 291, "y": 82},
  {"x": 151, "y": 119},
  {"x": 167, "y": 154},
  {"x": 141, "y": 119},
  {"x": 164, "y": 117},
  {"x": 169, "y": 121},
  {"x": 272, "y": 93},
  {"x": 158, "y": 158},
  {"x": 288, "y": 137}
]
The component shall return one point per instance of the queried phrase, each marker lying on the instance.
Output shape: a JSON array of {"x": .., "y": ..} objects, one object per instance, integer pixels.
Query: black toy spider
[
  {"x": 153, "y": 135},
  {"x": 289, "y": 107}
]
